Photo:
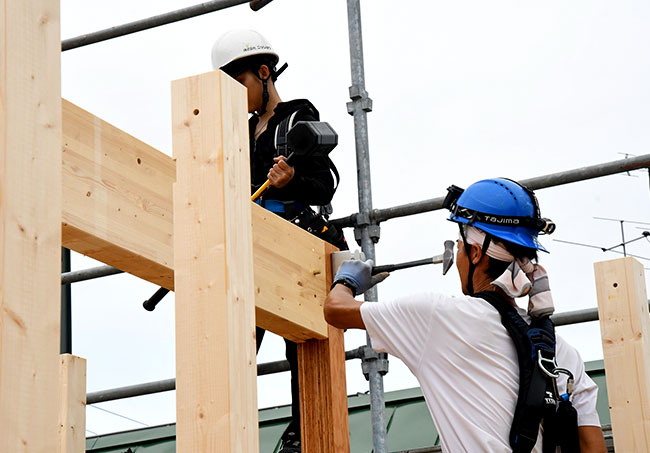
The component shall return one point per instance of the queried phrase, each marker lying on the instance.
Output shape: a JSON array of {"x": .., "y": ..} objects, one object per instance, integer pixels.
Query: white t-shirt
[{"x": 467, "y": 366}]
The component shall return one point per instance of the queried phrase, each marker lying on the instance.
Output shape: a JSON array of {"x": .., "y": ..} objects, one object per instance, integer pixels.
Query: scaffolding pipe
[
  {"x": 88, "y": 274},
  {"x": 373, "y": 365},
  {"x": 539, "y": 182},
  {"x": 559, "y": 319},
  {"x": 167, "y": 385},
  {"x": 66, "y": 306},
  {"x": 578, "y": 316},
  {"x": 151, "y": 22},
  {"x": 575, "y": 317}
]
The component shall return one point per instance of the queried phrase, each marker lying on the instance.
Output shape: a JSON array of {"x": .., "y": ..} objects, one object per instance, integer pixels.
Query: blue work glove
[{"x": 357, "y": 275}]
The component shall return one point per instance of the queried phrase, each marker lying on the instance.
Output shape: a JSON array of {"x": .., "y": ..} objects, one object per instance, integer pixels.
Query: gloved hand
[{"x": 357, "y": 275}]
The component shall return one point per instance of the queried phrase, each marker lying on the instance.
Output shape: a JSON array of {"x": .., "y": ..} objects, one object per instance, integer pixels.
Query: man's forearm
[
  {"x": 341, "y": 310},
  {"x": 591, "y": 439}
]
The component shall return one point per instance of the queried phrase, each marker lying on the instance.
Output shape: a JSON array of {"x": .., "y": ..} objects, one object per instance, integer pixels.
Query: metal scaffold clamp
[
  {"x": 370, "y": 357},
  {"x": 360, "y": 100},
  {"x": 363, "y": 221}
]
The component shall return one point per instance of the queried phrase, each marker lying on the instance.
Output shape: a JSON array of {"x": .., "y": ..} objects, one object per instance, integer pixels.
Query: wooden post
[
  {"x": 216, "y": 388},
  {"x": 323, "y": 398},
  {"x": 625, "y": 329},
  {"x": 72, "y": 404},
  {"x": 30, "y": 224}
]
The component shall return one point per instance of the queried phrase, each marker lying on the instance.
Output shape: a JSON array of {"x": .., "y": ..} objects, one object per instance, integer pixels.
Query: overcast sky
[{"x": 461, "y": 91}]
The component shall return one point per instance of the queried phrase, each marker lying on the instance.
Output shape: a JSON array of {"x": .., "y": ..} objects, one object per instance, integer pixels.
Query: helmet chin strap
[
  {"x": 471, "y": 265},
  {"x": 265, "y": 95},
  {"x": 265, "y": 92}
]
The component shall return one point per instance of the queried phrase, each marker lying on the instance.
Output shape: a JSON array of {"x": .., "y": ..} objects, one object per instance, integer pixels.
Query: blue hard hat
[{"x": 501, "y": 208}]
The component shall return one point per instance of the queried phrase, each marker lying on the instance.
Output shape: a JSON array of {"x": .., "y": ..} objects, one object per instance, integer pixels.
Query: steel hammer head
[{"x": 447, "y": 256}]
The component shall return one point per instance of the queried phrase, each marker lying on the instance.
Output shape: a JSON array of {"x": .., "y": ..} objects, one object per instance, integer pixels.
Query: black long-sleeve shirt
[{"x": 312, "y": 183}]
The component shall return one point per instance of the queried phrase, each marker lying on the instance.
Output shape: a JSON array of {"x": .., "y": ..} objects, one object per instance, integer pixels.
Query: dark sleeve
[{"x": 312, "y": 182}]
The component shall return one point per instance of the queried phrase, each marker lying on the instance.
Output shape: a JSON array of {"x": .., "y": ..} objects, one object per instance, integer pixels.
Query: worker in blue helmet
[
  {"x": 501, "y": 209},
  {"x": 491, "y": 372}
]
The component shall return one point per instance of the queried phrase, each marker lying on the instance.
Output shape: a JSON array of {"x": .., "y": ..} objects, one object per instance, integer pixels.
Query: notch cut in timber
[{"x": 117, "y": 208}]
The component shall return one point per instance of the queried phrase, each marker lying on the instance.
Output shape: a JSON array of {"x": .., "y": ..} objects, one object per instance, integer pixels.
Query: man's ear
[
  {"x": 476, "y": 254},
  {"x": 264, "y": 71}
]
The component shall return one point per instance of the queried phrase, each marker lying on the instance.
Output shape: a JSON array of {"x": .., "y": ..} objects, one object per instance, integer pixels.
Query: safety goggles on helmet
[{"x": 536, "y": 223}]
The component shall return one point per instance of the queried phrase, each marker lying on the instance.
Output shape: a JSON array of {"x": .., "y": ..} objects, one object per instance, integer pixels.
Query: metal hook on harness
[{"x": 541, "y": 359}]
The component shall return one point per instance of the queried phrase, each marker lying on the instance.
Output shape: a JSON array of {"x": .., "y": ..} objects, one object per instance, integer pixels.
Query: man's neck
[
  {"x": 484, "y": 283},
  {"x": 274, "y": 100},
  {"x": 270, "y": 108}
]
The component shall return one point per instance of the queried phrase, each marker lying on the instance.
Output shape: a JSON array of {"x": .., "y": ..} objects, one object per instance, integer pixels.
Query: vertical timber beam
[
  {"x": 72, "y": 404},
  {"x": 216, "y": 393},
  {"x": 30, "y": 224},
  {"x": 625, "y": 329},
  {"x": 323, "y": 398}
]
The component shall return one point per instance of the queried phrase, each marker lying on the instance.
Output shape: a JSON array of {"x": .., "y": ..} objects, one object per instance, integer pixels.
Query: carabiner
[{"x": 569, "y": 382}]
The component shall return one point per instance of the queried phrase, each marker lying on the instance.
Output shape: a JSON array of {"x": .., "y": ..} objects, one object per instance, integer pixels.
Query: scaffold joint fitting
[{"x": 370, "y": 358}]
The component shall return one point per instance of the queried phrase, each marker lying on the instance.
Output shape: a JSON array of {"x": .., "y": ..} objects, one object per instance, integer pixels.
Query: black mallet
[{"x": 306, "y": 138}]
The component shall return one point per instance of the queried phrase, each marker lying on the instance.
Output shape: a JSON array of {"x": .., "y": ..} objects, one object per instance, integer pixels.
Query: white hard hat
[{"x": 237, "y": 44}]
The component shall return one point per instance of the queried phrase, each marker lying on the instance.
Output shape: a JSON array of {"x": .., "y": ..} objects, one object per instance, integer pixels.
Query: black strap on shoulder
[
  {"x": 282, "y": 148},
  {"x": 281, "y": 133},
  {"x": 537, "y": 397},
  {"x": 281, "y": 144},
  {"x": 282, "y": 129}
]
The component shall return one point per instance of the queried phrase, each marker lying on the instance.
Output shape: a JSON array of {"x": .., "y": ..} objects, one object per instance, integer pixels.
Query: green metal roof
[{"x": 409, "y": 425}]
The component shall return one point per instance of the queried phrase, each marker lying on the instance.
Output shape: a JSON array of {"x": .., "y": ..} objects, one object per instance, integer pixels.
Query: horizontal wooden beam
[
  {"x": 117, "y": 197},
  {"x": 117, "y": 208},
  {"x": 290, "y": 278}
]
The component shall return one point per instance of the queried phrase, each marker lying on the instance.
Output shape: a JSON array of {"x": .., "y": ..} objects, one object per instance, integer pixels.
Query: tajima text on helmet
[{"x": 502, "y": 220}]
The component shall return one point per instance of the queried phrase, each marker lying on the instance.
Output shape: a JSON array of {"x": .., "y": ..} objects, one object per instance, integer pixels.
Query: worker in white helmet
[{"x": 249, "y": 58}]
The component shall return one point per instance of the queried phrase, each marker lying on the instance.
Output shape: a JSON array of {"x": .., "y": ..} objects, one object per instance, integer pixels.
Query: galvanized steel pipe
[
  {"x": 148, "y": 23},
  {"x": 88, "y": 274},
  {"x": 170, "y": 384},
  {"x": 373, "y": 365},
  {"x": 539, "y": 182}
]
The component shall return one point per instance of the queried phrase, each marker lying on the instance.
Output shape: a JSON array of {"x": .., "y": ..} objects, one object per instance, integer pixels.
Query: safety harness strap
[
  {"x": 534, "y": 399},
  {"x": 282, "y": 148}
]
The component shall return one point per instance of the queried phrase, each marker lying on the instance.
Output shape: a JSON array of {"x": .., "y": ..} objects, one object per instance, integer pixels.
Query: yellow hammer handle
[{"x": 261, "y": 190}]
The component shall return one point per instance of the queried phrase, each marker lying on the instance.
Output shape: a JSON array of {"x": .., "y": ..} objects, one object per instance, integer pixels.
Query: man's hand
[
  {"x": 281, "y": 173},
  {"x": 357, "y": 275}
]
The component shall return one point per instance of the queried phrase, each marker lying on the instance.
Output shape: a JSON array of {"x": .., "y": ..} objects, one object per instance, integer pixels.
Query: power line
[{"x": 119, "y": 415}]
